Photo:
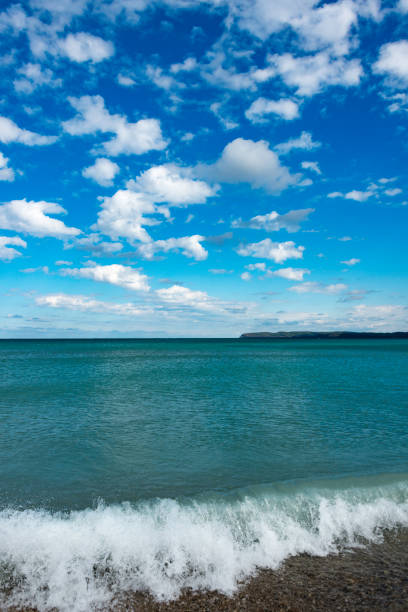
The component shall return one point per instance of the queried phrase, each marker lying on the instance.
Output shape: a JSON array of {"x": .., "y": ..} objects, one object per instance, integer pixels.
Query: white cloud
[
  {"x": 246, "y": 276},
  {"x": 83, "y": 47},
  {"x": 304, "y": 142},
  {"x": 295, "y": 274},
  {"x": 10, "y": 132},
  {"x": 125, "y": 81},
  {"x": 6, "y": 173},
  {"x": 403, "y": 6},
  {"x": 273, "y": 221},
  {"x": 190, "y": 246},
  {"x": 180, "y": 296},
  {"x": 33, "y": 76},
  {"x": 167, "y": 184},
  {"x": 256, "y": 266},
  {"x": 103, "y": 171},
  {"x": 393, "y": 192},
  {"x": 277, "y": 251},
  {"x": 7, "y": 253},
  {"x": 123, "y": 216},
  {"x": 355, "y": 194},
  {"x": 32, "y": 218},
  {"x": 95, "y": 244},
  {"x": 114, "y": 274},
  {"x": 327, "y": 27},
  {"x": 130, "y": 138},
  {"x": 351, "y": 262},
  {"x": 311, "y": 165},
  {"x": 246, "y": 161},
  {"x": 314, "y": 287},
  {"x": 393, "y": 62},
  {"x": 284, "y": 108},
  {"x": 84, "y": 303},
  {"x": 359, "y": 196},
  {"x": 390, "y": 316},
  {"x": 310, "y": 74}
]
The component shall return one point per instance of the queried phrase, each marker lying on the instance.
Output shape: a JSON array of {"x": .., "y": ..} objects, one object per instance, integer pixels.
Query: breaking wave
[{"x": 79, "y": 560}]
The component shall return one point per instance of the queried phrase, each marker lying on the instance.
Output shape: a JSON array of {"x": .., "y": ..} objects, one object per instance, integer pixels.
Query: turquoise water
[{"x": 208, "y": 457}]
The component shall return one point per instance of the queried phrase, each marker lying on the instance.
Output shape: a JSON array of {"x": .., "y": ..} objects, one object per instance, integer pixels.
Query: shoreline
[{"x": 372, "y": 578}]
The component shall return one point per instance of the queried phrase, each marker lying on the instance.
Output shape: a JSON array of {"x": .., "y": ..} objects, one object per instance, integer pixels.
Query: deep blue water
[{"x": 250, "y": 441}]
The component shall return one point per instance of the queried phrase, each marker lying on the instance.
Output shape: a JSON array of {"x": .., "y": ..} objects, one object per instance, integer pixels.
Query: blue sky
[{"x": 188, "y": 168}]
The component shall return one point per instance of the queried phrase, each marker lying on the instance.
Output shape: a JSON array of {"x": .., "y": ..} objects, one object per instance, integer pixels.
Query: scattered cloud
[
  {"x": 83, "y": 47},
  {"x": 273, "y": 221},
  {"x": 314, "y": 287},
  {"x": 393, "y": 63},
  {"x": 172, "y": 185},
  {"x": 284, "y": 108},
  {"x": 33, "y": 218},
  {"x": 311, "y": 74},
  {"x": 294, "y": 274},
  {"x": 10, "y": 132},
  {"x": 129, "y": 138},
  {"x": 103, "y": 171},
  {"x": 114, "y": 274},
  {"x": 351, "y": 262},
  {"x": 7, "y": 252},
  {"x": 6, "y": 173},
  {"x": 84, "y": 303},
  {"x": 311, "y": 165},
  {"x": 190, "y": 246},
  {"x": 304, "y": 142},
  {"x": 277, "y": 251},
  {"x": 247, "y": 161}
]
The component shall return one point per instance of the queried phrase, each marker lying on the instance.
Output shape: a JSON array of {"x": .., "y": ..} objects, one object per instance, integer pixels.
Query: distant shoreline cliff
[{"x": 298, "y": 335}]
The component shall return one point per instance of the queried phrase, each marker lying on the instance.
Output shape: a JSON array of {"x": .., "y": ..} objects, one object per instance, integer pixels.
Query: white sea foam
[{"x": 76, "y": 561}]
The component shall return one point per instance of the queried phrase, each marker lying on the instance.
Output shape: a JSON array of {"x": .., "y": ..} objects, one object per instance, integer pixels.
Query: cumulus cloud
[
  {"x": 125, "y": 81},
  {"x": 314, "y": 287},
  {"x": 10, "y": 132},
  {"x": 273, "y": 221},
  {"x": 33, "y": 218},
  {"x": 123, "y": 215},
  {"x": 393, "y": 62},
  {"x": 31, "y": 76},
  {"x": 103, "y": 171},
  {"x": 311, "y": 165},
  {"x": 180, "y": 296},
  {"x": 304, "y": 142},
  {"x": 277, "y": 251},
  {"x": 6, "y": 173},
  {"x": 311, "y": 74},
  {"x": 114, "y": 274},
  {"x": 172, "y": 185},
  {"x": 190, "y": 246},
  {"x": 84, "y": 303},
  {"x": 351, "y": 262},
  {"x": 247, "y": 161},
  {"x": 7, "y": 253},
  {"x": 355, "y": 194},
  {"x": 261, "y": 266},
  {"x": 129, "y": 138},
  {"x": 284, "y": 108},
  {"x": 95, "y": 244},
  {"x": 83, "y": 47},
  {"x": 295, "y": 274}
]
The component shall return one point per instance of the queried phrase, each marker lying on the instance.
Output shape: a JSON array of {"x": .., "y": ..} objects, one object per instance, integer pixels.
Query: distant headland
[{"x": 298, "y": 335}]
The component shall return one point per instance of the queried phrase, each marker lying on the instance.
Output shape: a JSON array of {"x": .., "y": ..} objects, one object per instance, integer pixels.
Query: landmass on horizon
[{"x": 330, "y": 334}]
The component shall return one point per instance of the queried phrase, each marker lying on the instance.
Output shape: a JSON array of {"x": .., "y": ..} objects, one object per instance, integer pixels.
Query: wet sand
[{"x": 374, "y": 578}]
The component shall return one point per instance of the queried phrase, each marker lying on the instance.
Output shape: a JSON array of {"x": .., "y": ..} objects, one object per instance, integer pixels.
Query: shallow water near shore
[{"x": 158, "y": 466}]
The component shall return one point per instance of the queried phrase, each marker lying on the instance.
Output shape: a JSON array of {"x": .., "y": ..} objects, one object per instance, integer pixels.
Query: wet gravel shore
[{"x": 373, "y": 578}]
